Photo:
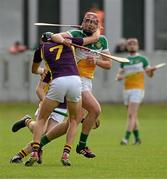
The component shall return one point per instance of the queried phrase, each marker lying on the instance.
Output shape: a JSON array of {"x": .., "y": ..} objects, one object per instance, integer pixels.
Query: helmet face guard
[
  {"x": 90, "y": 23},
  {"x": 46, "y": 36}
]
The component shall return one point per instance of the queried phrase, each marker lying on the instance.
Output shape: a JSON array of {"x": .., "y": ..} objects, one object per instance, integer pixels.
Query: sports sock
[
  {"x": 22, "y": 153},
  {"x": 127, "y": 135},
  {"x": 27, "y": 122},
  {"x": 35, "y": 146},
  {"x": 82, "y": 141},
  {"x": 67, "y": 149},
  {"x": 136, "y": 134},
  {"x": 44, "y": 141}
]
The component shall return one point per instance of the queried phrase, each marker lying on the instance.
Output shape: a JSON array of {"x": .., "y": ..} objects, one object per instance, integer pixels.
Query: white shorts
[
  {"x": 86, "y": 84},
  {"x": 69, "y": 86},
  {"x": 55, "y": 116},
  {"x": 133, "y": 95}
]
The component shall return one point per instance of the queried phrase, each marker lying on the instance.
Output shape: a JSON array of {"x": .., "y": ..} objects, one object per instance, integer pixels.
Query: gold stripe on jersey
[
  {"x": 86, "y": 69},
  {"x": 46, "y": 64},
  {"x": 134, "y": 81},
  {"x": 73, "y": 51},
  {"x": 42, "y": 52},
  {"x": 74, "y": 54},
  {"x": 46, "y": 88}
]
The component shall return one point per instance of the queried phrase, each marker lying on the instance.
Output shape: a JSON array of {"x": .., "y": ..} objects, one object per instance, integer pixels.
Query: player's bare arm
[
  {"x": 36, "y": 69},
  {"x": 150, "y": 71},
  {"x": 104, "y": 62},
  {"x": 92, "y": 39},
  {"x": 86, "y": 40},
  {"x": 120, "y": 75}
]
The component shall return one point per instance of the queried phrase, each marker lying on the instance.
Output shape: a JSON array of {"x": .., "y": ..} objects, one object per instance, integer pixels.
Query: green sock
[
  {"x": 127, "y": 135},
  {"x": 44, "y": 141},
  {"x": 136, "y": 134},
  {"x": 83, "y": 139}
]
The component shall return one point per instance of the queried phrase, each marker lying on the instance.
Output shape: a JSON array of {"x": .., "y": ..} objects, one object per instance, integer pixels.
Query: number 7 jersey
[{"x": 59, "y": 59}]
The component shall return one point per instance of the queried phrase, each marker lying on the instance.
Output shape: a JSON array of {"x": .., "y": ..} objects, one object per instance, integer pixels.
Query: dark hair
[{"x": 46, "y": 36}]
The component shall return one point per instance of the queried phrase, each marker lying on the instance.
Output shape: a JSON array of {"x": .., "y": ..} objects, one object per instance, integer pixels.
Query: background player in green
[{"x": 133, "y": 75}]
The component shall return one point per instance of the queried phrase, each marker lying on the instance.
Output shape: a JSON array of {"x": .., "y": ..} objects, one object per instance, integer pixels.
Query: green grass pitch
[{"x": 147, "y": 160}]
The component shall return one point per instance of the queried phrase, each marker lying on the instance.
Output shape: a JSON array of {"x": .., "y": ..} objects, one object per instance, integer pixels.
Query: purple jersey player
[{"x": 60, "y": 60}]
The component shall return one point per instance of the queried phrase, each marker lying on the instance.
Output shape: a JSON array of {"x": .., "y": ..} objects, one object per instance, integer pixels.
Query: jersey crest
[{"x": 98, "y": 45}]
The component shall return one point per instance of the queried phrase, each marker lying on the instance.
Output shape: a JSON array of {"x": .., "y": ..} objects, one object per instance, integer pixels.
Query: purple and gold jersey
[
  {"x": 60, "y": 59},
  {"x": 47, "y": 78}
]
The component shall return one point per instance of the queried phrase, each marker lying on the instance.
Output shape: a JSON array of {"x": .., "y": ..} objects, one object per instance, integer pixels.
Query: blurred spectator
[
  {"x": 100, "y": 15},
  {"x": 17, "y": 47},
  {"x": 121, "y": 46}
]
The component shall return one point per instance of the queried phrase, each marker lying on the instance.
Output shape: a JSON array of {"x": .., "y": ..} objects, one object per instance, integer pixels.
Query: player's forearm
[
  {"x": 120, "y": 75},
  {"x": 92, "y": 39},
  {"x": 89, "y": 40},
  {"x": 150, "y": 71},
  {"x": 39, "y": 71},
  {"x": 104, "y": 64},
  {"x": 36, "y": 69},
  {"x": 57, "y": 38}
]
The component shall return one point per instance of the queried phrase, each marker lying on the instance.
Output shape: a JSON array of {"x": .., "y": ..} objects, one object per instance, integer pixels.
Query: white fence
[
  {"x": 18, "y": 84},
  {"x": 16, "y": 81}
]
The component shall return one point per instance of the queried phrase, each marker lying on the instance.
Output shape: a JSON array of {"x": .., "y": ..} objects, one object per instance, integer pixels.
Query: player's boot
[
  {"x": 85, "y": 151},
  {"x": 20, "y": 123},
  {"x": 124, "y": 142},
  {"x": 65, "y": 159},
  {"x": 40, "y": 152},
  {"x": 137, "y": 141},
  {"x": 34, "y": 158},
  {"x": 16, "y": 159}
]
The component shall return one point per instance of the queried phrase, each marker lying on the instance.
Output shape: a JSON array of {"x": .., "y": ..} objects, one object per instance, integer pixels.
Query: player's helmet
[
  {"x": 46, "y": 36},
  {"x": 90, "y": 23}
]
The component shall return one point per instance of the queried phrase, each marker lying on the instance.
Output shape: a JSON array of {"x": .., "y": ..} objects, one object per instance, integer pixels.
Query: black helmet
[{"x": 46, "y": 36}]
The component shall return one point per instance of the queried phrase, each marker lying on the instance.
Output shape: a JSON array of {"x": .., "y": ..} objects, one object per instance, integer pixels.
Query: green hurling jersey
[
  {"x": 135, "y": 60},
  {"x": 134, "y": 71},
  {"x": 85, "y": 68}
]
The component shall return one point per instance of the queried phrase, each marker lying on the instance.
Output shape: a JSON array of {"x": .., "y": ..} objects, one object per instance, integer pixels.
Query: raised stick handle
[
  {"x": 115, "y": 58},
  {"x": 57, "y": 25}
]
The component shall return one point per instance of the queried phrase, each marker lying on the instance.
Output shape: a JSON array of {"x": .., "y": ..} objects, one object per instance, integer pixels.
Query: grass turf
[{"x": 147, "y": 160}]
